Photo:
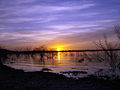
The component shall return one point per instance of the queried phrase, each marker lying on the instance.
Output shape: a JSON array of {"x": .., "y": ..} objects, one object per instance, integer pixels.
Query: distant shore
[
  {"x": 18, "y": 79},
  {"x": 47, "y": 51}
]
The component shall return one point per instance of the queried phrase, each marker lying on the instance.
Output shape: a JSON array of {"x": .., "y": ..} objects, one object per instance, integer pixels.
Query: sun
[{"x": 58, "y": 49}]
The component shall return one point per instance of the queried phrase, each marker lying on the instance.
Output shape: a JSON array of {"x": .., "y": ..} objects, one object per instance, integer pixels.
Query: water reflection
[
  {"x": 57, "y": 61},
  {"x": 59, "y": 57}
]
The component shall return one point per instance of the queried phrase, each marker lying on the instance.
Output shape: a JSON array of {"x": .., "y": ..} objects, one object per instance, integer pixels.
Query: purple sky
[{"x": 56, "y": 22}]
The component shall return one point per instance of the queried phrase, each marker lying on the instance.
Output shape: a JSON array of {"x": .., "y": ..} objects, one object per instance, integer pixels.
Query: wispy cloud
[
  {"x": 44, "y": 20},
  {"x": 24, "y": 1},
  {"x": 43, "y": 8},
  {"x": 83, "y": 40},
  {"x": 25, "y": 19},
  {"x": 72, "y": 26},
  {"x": 53, "y": 8},
  {"x": 1, "y": 28}
]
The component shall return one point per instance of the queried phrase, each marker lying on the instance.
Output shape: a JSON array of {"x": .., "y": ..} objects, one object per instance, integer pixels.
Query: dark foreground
[{"x": 11, "y": 79}]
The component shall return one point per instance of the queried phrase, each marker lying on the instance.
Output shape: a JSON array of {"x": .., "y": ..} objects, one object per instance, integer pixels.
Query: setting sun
[{"x": 58, "y": 49}]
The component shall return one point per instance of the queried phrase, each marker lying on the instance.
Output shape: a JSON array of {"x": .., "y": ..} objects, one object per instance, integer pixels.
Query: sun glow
[{"x": 58, "y": 49}]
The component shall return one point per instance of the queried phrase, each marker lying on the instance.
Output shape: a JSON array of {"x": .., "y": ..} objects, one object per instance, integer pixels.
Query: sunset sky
[{"x": 66, "y": 23}]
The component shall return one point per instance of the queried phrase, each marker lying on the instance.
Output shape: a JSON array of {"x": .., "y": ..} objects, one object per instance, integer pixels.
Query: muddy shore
[{"x": 11, "y": 79}]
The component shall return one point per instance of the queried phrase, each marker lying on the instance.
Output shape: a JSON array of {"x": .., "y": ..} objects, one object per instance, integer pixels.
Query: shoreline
[{"x": 18, "y": 79}]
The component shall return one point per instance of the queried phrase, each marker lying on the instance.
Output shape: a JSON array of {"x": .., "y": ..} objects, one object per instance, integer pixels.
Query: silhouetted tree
[
  {"x": 107, "y": 46},
  {"x": 41, "y": 48},
  {"x": 3, "y": 55},
  {"x": 117, "y": 30}
]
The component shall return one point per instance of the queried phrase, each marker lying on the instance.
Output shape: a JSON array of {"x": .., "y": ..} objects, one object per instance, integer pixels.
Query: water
[{"x": 57, "y": 62}]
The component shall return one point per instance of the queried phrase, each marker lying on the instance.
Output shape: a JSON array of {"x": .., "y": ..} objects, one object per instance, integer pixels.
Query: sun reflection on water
[{"x": 59, "y": 56}]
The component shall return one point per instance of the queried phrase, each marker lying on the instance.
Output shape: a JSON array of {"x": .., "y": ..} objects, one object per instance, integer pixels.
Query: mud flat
[{"x": 20, "y": 80}]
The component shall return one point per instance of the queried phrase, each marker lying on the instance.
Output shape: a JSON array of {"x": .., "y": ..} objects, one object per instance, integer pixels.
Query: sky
[{"x": 65, "y": 23}]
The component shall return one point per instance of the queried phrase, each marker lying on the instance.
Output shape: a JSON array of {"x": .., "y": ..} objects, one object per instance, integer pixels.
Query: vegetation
[
  {"x": 36, "y": 80},
  {"x": 107, "y": 53}
]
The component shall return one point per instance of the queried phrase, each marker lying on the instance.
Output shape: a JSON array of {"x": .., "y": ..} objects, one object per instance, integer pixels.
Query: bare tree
[
  {"x": 107, "y": 46},
  {"x": 3, "y": 55},
  {"x": 41, "y": 48},
  {"x": 2, "y": 47},
  {"x": 117, "y": 30}
]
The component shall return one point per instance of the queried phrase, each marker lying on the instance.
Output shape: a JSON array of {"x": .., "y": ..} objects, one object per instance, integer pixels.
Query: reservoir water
[{"x": 58, "y": 62}]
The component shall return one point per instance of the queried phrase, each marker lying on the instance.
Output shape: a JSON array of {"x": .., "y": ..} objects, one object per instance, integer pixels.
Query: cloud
[
  {"x": 87, "y": 14},
  {"x": 40, "y": 35},
  {"x": 16, "y": 2},
  {"x": 26, "y": 19},
  {"x": 25, "y": 10},
  {"x": 72, "y": 26},
  {"x": 53, "y": 8},
  {"x": 84, "y": 39},
  {"x": 1, "y": 28},
  {"x": 24, "y": 1},
  {"x": 106, "y": 21},
  {"x": 44, "y": 20}
]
